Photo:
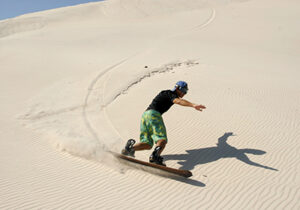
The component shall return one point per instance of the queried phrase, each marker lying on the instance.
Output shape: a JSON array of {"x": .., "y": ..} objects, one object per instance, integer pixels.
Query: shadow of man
[{"x": 210, "y": 154}]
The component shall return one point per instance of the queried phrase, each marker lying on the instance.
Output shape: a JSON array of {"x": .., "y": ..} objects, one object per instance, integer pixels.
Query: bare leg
[
  {"x": 162, "y": 144},
  {"x": 141, "y": 146}
]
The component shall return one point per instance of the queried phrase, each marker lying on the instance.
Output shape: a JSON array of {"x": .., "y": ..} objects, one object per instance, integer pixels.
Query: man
[{"x": 152, "y": 125}]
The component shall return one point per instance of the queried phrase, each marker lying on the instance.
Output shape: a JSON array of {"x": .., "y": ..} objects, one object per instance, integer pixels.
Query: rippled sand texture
[{"x": 76, "y": 80}]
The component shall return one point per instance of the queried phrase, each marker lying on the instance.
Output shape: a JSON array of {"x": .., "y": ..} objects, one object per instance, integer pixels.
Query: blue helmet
[{"x": 182, "y": 86}]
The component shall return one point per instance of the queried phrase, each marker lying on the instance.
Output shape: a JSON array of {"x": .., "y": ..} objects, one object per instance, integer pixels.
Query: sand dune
[{"x": 76, "y": 80}]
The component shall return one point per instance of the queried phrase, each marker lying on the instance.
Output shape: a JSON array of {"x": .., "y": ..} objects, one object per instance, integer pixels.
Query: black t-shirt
[{"x": 163, "y": 101}]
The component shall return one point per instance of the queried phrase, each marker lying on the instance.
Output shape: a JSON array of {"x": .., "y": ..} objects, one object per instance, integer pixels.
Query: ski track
[{"x": 90, "y": 89}]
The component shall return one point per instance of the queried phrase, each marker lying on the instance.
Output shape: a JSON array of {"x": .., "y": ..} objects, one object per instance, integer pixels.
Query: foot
[
  {"x": 155, "y": 158},
  {"x": 128, "y": 150}
]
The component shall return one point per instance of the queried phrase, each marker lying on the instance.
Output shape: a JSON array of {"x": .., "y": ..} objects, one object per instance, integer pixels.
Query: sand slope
[{"x": 74, "y": 85}]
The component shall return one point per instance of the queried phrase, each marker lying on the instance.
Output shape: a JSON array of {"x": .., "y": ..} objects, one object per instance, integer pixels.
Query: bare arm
[{"x": 184, "y": 102}]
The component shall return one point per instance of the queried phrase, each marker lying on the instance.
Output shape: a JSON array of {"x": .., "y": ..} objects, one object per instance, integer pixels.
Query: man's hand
[{"x": 199, "y": 107}]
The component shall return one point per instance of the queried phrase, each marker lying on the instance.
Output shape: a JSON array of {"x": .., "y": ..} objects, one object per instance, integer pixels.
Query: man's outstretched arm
[{"x": 184, "y": 102}]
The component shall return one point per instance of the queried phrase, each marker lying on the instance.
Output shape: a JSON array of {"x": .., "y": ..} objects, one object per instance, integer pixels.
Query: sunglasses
[{"x": 184, "y": 90}]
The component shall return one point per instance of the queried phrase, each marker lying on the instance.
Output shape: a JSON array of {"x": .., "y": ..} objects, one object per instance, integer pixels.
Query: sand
[{"x": 76, "y": 80}]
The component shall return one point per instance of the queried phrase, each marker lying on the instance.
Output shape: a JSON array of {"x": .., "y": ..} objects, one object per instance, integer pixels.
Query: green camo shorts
[{"x": 152, "y": 127}]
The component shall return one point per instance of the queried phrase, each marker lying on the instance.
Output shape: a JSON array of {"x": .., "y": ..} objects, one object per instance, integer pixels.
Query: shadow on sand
[{"x": 210, "y": 154}]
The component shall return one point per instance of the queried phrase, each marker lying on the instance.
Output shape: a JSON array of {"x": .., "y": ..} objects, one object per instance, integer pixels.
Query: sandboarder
[{"x": 152, "y": 128}]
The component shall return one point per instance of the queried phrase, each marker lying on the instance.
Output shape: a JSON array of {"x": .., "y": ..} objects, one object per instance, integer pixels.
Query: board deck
[{"x": 180, "y": 172}]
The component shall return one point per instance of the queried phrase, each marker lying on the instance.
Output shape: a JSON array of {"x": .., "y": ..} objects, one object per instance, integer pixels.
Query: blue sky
[{"x": 13, "y": 8}]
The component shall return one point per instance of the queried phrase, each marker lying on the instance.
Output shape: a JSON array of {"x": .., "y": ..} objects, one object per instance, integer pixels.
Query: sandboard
[{"x": 178, "y": 172}]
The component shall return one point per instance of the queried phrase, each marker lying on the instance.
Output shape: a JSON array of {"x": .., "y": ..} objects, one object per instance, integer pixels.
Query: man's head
[{"x": 181, "y": 88}]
